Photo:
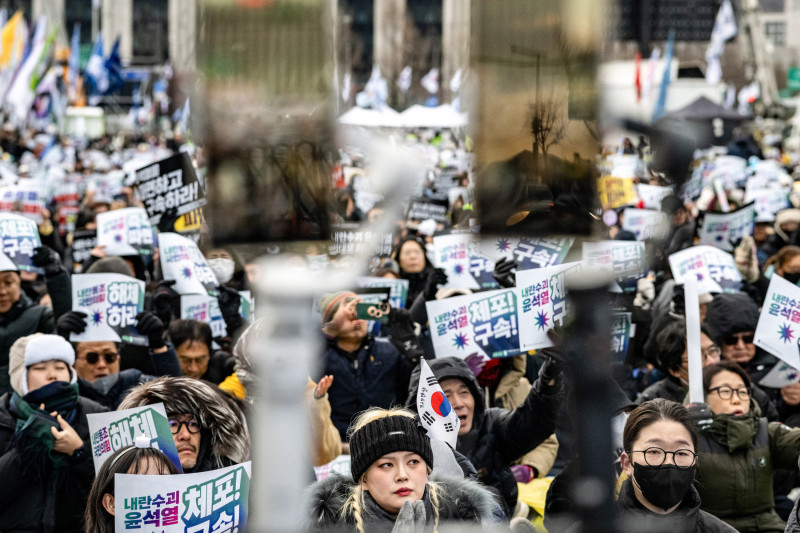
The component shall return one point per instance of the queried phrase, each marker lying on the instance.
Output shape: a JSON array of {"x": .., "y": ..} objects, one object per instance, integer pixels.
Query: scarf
[{"x": 735, "y": 432}]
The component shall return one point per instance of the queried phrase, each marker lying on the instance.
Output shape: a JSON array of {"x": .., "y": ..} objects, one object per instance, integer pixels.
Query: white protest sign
[
  {"x": 125, "y": 232},
  {"x": 182, "y": 261},
  {"x": 714, "y": 269},
  {"x": 435, "y": 413},
  {"x": 645, "y": 223},
  {"x": 781, "y": 375},
  {"x": 625, "y": 260},
  {"x": 724, "y": 229},
  {"x": 692, "y": 308},
  {"x": 204, "y": 308},
  {"x": 452, "y": 253},
  {"x": 117, "y": 429},
  {"x": 779, "y": 323},
  {"x": 111, "y": 302},
  {"x": 767, "y": 202},
  {"x": 188, "y": 503},
  {"x": 19, "y": 237},
  {"x": 484, "y": 323},
  {"x": 651, "y": 195},
  {"x": 528, "y": 252},
  {"x": 542, "y": 294},
  {"x": 25, "y": 198}
]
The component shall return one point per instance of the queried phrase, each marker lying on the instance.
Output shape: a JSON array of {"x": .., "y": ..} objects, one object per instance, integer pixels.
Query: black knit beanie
[{"x": 387, "y": 435}]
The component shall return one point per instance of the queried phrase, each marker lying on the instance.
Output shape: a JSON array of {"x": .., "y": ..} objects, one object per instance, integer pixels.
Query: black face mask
[
  {"x": 664, "y": 486},
  {"x": 792, "y": 277}
]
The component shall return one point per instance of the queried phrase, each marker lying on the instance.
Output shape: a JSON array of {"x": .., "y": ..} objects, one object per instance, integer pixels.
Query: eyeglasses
[
  {"x": 731, "y": 340},
  {"x": 93, "y": 357},
  {"x": 713, "y": 351},
  {"x": 192, "y": 426},
  {"x": 726, "y": 393},
  {"x": 655, "y": 456}
]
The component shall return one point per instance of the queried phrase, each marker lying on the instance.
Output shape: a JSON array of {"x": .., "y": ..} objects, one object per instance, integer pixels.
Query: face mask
[
  {"x": 223, "y": 269},
  {"x": 664, "y": 486},
  {"x": 792, "y": 277}
]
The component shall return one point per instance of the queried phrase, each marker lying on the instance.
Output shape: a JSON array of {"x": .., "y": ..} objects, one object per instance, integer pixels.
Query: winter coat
[
  {"x": 669, "y": 388},
  {"x": 28, "y": 504},
  {"x": 498, "y": 436},
  {"x": 220, "y": 366},
  {"x": 224, "y": 434},
  {"x": 736, "y": 459},
  {"x": 376, "y": 375},
  {"x": 460, "y": 500},
  {"x": 23, "y": 319},
  {"x": 793, "y": 525},
  {"x": 687, "y": 518}
]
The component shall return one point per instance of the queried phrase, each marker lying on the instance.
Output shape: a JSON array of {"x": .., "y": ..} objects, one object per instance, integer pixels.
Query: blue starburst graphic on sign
[
  {"x": 118, "y": 237},
  {"x": 187, "y": 272},
  {"x": 503, "y": 245},
  {"x": 699, "y": 276},
  {"x": 541, "y": 320},
  {"x": 460, "y": 341},
  {"x": 458, "y": 269},
  {"x": 718, "y": 238},
  {"x": 96, "y": 317},
  {"x": 786, "y": 333},
  {"x": 792, "y": 376}
]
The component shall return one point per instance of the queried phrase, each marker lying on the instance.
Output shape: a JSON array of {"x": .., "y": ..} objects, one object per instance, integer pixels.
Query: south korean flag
[{"x": 435, "y": 412}]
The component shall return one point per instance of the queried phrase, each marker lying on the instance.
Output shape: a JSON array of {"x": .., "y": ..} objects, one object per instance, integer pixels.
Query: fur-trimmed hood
[
  {"x": 188, "y": 395},
  {"x": 460, "y": 500}
]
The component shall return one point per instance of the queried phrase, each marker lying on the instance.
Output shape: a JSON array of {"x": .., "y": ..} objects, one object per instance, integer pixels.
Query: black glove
[
  {"x": 701, "y": 414},
  {"x": 505, "y": 273},
  {"x": 229, "y": 303},
  {"x": 435, "y": 278},
  {"x": 402, "y": 335},
  {"x": 166, "y": 223},
  {"x": 71, "y": 322},
  {"x": 48, "y": 259},
  {"x": 550, "y": 374},
  {"x": 151, "y": 327},
  {"x": 166, "y": 302}
]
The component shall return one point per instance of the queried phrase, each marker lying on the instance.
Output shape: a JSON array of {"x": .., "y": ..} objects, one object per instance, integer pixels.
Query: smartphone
[{"x": 373, "y": 311}]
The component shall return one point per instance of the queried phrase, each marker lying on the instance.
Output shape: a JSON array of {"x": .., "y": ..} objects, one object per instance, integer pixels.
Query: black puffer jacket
[
  {"x": 498, "y": 436},
  {"x": 23, "y": 319}
]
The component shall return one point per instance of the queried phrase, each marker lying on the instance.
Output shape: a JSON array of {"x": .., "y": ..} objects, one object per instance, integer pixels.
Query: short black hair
[
  {"x": 183, "y": 330},
  {"x": 731, "y": 366},
  {"x": 670, "y": 345}
]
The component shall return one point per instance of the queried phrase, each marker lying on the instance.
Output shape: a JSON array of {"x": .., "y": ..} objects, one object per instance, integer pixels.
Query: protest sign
[
  {"x": 247, "y": 306},
  {"x": 625, "y": 260},
  {"x": 435, "y": 413},
  {"x": 25, "y": 199},
  {"x": 622, "y": 330},
  {"x": 349, "y": 239},
  {"x": 19, "y": 237},
  {"x": 781, "y": 375},
  {"x": 340, "y": 465},
  {"x": 542, "y": 294},
  {"x": 651, "y": 195},
  {"x": 485, "y": 323},
  {"x": 645, "y": 223},
  {"x": 453, "y": 253},
  {"x": 182, "y": 261},
  {"x": 422, "y": 208},
  {"x": 615, "y": 192},
  {"x": 534, "y": 252},
  {"x": 169, "y": 183},
  {"x": 83, "y": 241},
  {"x": 125, "y": 232},
  {"x": 111, "y": 302},
  {"x": 117, "y": 429},
  {"x": 723, "y": 230},
  {"x": 398, "y": 289},
  {"x": 714, "y": 269},
  {"x": 779, "y": 322},
  {"x": 204, "y": 308},
  {"x": 67, "y": 216},
  {"x": 190, "y": 503},
  {"x": 769, "y": 201}
]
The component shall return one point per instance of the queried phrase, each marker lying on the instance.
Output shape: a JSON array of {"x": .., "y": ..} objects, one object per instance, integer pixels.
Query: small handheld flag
[{"x": 437, "y": 416}]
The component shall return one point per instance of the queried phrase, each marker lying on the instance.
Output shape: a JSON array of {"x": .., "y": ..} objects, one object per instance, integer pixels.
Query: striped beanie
[{"x": 330, "y": 303}]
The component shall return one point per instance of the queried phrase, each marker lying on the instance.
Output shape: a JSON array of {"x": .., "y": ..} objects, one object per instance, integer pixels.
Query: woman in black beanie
[{"x": 390, "y": 461}]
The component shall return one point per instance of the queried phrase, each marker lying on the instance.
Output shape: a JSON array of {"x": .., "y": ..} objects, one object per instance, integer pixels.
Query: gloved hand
[
  {"x": 152, "y": 327},
  {"x": 435, "y": 278},
  {"x": 166, "y": 302},
  {"x": 166, "y": 223},
  {"x": 505, "y": 273},
  {"x": 746, "y": 259},
  {"x": 402, "y": 335},
  {"x": 48, "y": 259},
  {"x": 645, "y": 294},
  {"x": 476, "y": 362},
  {"x": 550, "y": 374},
  {"x": 229, "y": 303},
  {"x": 411, "y": 518},
  {"x": 523, "y": 473},
  {"x": 701, "y": 414},
  {"x": 71, "y": 322}
]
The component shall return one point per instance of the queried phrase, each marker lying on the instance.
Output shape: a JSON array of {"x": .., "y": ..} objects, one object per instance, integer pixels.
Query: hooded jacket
[
  {"x": 736, "y": 458},
  {"x": 24, "y": 318},
  {"x": 460, "y": 500},
  {"x": 224, "y": 435},
  {"x": 498, "y": 436}
]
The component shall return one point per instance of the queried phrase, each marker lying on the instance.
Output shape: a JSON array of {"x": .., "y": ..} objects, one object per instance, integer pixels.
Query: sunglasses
[
  {"x": 93, "y": 357},
  {"x": 730, "y": 340}
]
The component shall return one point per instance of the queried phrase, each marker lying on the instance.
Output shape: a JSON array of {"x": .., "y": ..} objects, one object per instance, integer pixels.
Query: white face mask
[{"x": 223, "y": 268}]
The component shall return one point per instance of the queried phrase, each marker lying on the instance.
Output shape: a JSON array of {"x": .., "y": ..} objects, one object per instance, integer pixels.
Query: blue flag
[
  {"x": 113, "y": 67},
  {"x": 662, "y": 93}
]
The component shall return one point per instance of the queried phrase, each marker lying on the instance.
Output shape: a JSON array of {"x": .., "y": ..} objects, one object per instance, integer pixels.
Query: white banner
[
  {"x": 125, "y": 232},
  {"x": 182, "y": 261},
  {"x": 779, "y": 323},
  {"x": 111, "y": 303},
  {"x": 714, "y": 269},
  {"x": 645, "y": 223},
  {"x": 725, "y": 230},
  {"x": 204, "y": 308}
]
